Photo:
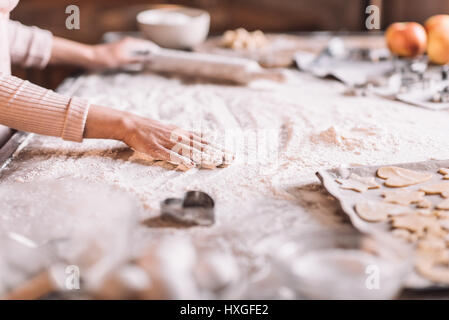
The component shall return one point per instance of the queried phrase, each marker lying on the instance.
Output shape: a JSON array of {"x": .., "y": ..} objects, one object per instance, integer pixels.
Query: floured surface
[{"x": 317, "y": 126}]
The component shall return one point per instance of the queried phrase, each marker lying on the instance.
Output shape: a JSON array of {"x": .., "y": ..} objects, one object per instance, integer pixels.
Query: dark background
[{"x": 99, "y": 16}]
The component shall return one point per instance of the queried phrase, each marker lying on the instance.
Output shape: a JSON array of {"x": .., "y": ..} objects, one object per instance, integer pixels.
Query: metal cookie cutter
[{"x": 197, "y": 208}]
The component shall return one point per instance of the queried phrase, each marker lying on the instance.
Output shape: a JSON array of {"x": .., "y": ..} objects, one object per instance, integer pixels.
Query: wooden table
[{"x": 320, "y": 126}]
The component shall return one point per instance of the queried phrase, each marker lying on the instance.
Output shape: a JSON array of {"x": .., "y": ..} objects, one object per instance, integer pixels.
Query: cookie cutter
[{"x": 196, "y": 208}]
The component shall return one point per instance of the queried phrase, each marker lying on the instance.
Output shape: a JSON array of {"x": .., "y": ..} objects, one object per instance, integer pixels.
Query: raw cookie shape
[
  {"x": 403, "y": 197},
  {"x": 432, "y": 243},
  {"x": 444, "y": 223},
  {"x": 418, "y": 223},
  {"x": 444, "y": 172},
  {"x": 438, "y": 188},
  {"x": 441, "y": 214},
  {"x": 358, "y": 183},
  {"x": 424, "y": 203},
  {"x": 405, "y": 235},
  {"x": 374, "y": 211},
  {"x": 432, "y": 263},
  {"x": 400, "y": 177},
  {"x": 424, "y": 212},
  {"x": 443, "y": 205}
]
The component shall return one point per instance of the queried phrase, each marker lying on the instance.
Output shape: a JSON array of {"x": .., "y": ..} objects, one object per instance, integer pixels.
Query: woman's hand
[
  {"x": 101, "y": 56},
  {"x": 159, "y": 141},
  {"x": 123, "y": 52}
]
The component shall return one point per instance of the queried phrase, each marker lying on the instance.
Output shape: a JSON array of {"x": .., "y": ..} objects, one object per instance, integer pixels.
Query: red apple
[
  {"x": 436, "y": 22},
  {"x": 406, "y": 39}
]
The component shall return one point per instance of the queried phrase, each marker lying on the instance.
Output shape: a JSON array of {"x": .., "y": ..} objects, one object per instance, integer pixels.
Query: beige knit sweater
[{"x": 25, "y": 106}]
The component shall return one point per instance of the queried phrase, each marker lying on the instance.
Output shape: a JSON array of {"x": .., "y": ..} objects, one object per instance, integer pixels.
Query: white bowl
[{"x": 174, "y": 27}]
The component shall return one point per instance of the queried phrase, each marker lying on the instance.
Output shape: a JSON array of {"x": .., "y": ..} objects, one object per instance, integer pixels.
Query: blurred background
[{"x": 100, "y": 16}]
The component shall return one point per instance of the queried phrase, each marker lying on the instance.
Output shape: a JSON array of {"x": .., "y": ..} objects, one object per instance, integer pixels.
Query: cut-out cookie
[
  {"x": 424, "y": 212},
  {"x": 441, "y": 214},
  {"x": 433, "y": 265},
  {"x": 443, "y": 205},
  {"x": 435, "y": 229},
  {"x": 438, "y": 188},
  {"x": 358, "y": 183},
  {"x": 430, "y": 256},
  {"x": 444, "y": 172},
  {"x": 405, "y": 235},
  {"x": 400, "y": 177},
  {"x": 432, "y": 244},
  {"x": 444, "y": 223},
  {"x": 418, "y": 224},
  {"x": 374, "y": 211},
  {"x": 403, "y": 197},
  {"x": 424, "y": 203}
]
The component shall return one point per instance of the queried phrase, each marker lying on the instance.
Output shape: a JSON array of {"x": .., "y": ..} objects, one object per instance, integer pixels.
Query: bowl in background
[{"x": 174, "y": 27}]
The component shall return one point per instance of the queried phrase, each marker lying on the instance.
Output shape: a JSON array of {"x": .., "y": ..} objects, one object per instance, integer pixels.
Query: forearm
[
  {"x": 70, "y": 52},
  {"x": 100, "y": 56},
  {"x": 106, "y": 123}
]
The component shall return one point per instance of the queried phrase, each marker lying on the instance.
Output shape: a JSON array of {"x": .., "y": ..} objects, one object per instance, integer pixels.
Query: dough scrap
[
  {"x": 439, "y": 188},
  {"x": 242, "y": 39},
  {"x": 358, "y": 183},
  {"x": 404, "y": 197},
  {"x": 206, "y": 160},
  {"x": 444, "y": 172},
  {"x": 374, "y": 211},
  {"x": 400, "y": 177}
]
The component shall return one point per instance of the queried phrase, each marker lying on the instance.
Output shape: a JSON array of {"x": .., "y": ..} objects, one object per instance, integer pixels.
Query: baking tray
[
  {"x": 423, "y": 97},
  {"x": 8, "y": 149},
  {"x": 348, "y": 198}
]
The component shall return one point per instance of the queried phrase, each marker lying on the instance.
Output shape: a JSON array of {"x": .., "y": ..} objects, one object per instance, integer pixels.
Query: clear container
[{"x": 340, "y": 265}]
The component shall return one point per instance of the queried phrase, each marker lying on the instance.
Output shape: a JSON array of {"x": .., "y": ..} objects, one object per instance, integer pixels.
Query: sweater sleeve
[
  {"x": 28, "y": 107},
  {"x": 29, "y": 46}
]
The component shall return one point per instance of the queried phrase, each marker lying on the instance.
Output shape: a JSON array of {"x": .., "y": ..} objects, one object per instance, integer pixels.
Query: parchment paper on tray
[
  {"x": 350, "y": 72},
  {"x": 424, "y": 97},
  {"x": 349, "y": 198}
]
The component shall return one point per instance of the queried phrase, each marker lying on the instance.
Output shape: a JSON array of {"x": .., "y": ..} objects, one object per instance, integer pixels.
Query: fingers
[
  {"x": 183, "y": 163},
  {"x": 203, "y": 155},
  {"x": 140, "y": 50},
  {"x": 200, "y": 137},
  {"x": 228, "y": 156},
  {"x": 158, "y": 152},
  {"x": 201, "y": 151},
  {"x": 187, "y": 150}
]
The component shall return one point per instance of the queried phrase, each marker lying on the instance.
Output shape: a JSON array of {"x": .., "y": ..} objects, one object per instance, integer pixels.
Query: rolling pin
[{"x": 212, "y": 66}]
